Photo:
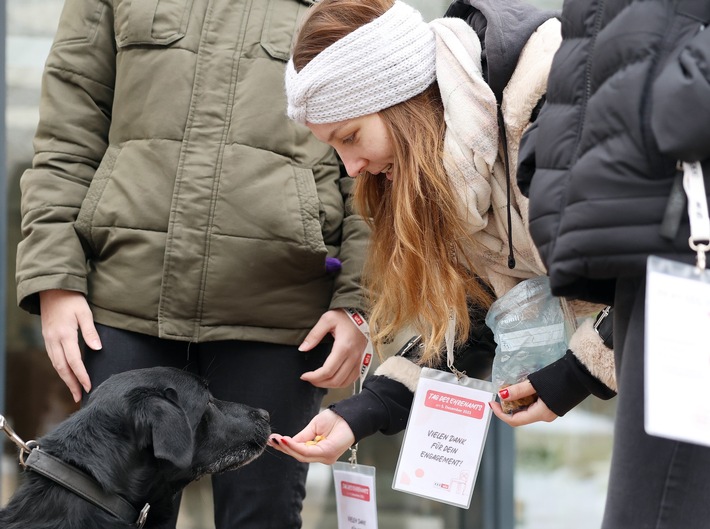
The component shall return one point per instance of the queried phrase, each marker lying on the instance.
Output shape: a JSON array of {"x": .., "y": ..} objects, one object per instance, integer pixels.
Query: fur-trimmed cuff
[
  {"x": 402, "y": 370},
  {"x": 590, "y": 350}
]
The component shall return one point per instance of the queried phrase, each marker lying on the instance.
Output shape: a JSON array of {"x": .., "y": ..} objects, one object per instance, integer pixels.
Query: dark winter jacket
[
  {"x": 169, "y": 186},
  {"x": 628, "y": 96}
]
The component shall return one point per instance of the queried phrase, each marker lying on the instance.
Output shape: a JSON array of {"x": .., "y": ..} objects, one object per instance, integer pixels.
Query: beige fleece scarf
[{"x": 474, "y": 162}]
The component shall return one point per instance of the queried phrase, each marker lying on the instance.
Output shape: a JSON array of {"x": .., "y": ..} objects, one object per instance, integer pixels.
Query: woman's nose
[{"x": 354, "y": 166}]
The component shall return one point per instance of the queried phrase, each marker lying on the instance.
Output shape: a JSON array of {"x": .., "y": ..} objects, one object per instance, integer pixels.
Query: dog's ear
[{"x": 163, "y": 422}]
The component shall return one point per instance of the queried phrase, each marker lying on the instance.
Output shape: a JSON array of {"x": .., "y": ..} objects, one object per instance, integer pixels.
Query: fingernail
[
  {"x": 303, "y": 346},
  {"x": 274, "y": 440},
  {"x": 490, "y": 405},
  {"x": 284, "y": 442},
  {"x": 504, "y": 393}
]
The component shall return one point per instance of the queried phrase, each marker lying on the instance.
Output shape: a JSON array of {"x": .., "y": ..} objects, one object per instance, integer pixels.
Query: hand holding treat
[
  {"x": 512, "y": 406},
  {"x": 536, "y": 411},
  {"x": 324, "y": 440}
]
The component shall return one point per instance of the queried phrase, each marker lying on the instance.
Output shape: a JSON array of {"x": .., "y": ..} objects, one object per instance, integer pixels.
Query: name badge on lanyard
[
  {"x": 444, "y": 440},
  {"x": 677, "y": 312},
  {"x": 445, "y": 434},
  {"x": 355, "y": 497}
]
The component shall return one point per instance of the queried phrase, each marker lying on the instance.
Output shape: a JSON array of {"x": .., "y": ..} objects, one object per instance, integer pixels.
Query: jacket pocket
[
  {"x": 280, "y": 23},
  {"x": 312, "y": 213},
  {"x": 85, "y": 220},
  {"x": 152, "y": 22}
]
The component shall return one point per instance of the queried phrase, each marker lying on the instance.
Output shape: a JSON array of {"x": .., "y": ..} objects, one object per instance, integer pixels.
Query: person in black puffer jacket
[{"x": 627, "y": 99}]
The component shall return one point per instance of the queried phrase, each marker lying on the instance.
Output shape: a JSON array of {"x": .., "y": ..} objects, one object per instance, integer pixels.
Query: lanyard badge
[
  {"x": 445, "y": 434},
  {"x": 677, "y": 312},
  {"x": 355, "y": 498}
]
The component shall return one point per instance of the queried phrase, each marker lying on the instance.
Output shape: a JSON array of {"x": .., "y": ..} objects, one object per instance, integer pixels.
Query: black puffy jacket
[{"x": 628, "y": 96}]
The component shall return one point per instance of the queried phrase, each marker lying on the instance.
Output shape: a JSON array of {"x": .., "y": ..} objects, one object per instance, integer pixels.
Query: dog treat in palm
[
  {"x": 317, "y": 439},
  {"x": 512, "y": 406}
]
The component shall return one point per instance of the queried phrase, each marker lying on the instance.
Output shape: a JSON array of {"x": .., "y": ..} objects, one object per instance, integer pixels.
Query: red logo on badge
[
  {"x": 354, "y": 490},
  {"x": 454, "y": 404},
  {"x": 357, "y": 319}
]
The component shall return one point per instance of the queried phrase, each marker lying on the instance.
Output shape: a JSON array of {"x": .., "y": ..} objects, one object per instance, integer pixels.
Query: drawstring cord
[{"x": 504, "y": 138}]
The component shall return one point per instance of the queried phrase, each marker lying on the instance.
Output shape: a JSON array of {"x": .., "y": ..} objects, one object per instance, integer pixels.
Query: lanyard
[
  {"x": 694, "y": 187},
  {"x": 361, "y": 323},
  {"x": 449, "y": 339}
]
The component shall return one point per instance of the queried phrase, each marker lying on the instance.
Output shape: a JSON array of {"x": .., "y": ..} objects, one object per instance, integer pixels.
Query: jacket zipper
[{"x": 587, "y": 78}]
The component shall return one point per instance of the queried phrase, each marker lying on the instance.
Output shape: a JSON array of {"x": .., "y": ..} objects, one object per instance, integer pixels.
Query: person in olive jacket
[
  {"x": 627, "y": 100},
  {"x": 174, "y": 215}
]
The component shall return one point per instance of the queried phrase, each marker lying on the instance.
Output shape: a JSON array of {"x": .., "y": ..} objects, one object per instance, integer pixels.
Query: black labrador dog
[{"x": 140, "y": 439}]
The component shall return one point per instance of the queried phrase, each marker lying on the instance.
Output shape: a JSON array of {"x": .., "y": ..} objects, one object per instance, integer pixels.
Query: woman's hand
[
  {"x": 63, "y": 314},
  {"x": 337, "y": 438},
  {"x": 536, "y": 412},
  {"x": 342, "y": 367}
]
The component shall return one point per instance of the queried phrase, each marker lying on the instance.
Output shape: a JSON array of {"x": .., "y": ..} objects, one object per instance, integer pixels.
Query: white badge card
[
  {"x": 444, "y": 440},
  {"x": 355, "y": 496},
  {"x": 677, "y": 353}
]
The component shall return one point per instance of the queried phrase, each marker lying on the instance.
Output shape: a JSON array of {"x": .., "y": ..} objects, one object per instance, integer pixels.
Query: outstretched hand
[
  {"x": 536, "y": 412},
  {"x": 342, "y": 367},
  {"x": 337, "y": 439}
]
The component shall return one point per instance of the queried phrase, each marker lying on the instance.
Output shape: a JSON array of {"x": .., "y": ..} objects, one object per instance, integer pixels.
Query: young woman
[{"x": 430, "y": 127}]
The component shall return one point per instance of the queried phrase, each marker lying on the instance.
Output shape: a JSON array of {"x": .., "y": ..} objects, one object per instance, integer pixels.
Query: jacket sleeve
[
  {"x": 586, "y": 369},
  {"x": 71, "y": 139},
  {"x": 679, "y": 110},
  {"x": 385, "y": 401},
  {"x": 382, "y": 406},
  {"x": 347, "y": 292}
]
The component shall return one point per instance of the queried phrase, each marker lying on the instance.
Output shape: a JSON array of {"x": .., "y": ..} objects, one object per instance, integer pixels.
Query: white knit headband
[{"x": 380, "y": 64}]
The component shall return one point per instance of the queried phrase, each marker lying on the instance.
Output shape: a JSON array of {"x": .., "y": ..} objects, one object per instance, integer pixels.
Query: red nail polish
[
  {"x": 284, "y": 442},
  {"x": 504, "y": 393}
]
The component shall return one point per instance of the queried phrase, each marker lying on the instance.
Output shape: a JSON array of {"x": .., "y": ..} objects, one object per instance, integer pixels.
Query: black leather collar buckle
[{"x": 84, "y": 486}]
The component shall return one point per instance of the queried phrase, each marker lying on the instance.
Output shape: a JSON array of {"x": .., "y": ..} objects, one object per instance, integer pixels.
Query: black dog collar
[{"x": 84, "y": 486}]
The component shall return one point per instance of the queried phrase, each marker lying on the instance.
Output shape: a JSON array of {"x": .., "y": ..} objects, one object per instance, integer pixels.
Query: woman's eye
[{"x": 349, "y": 139}]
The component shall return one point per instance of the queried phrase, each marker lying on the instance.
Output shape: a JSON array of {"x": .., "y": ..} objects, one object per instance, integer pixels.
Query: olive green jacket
[{"x": 168, "y": 184}]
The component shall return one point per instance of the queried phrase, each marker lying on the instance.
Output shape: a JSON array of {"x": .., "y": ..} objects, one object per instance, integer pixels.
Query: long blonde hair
[{"x": 417, "y": 273}]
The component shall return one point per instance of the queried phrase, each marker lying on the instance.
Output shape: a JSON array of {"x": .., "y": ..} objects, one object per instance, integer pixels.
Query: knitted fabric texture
[{"x": 380, "y": 64}]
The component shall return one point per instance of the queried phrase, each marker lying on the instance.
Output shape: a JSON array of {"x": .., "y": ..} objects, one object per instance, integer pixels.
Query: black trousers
[
  {"x": 654, "y": 483},
  {"x": 268, "y": 493}
]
